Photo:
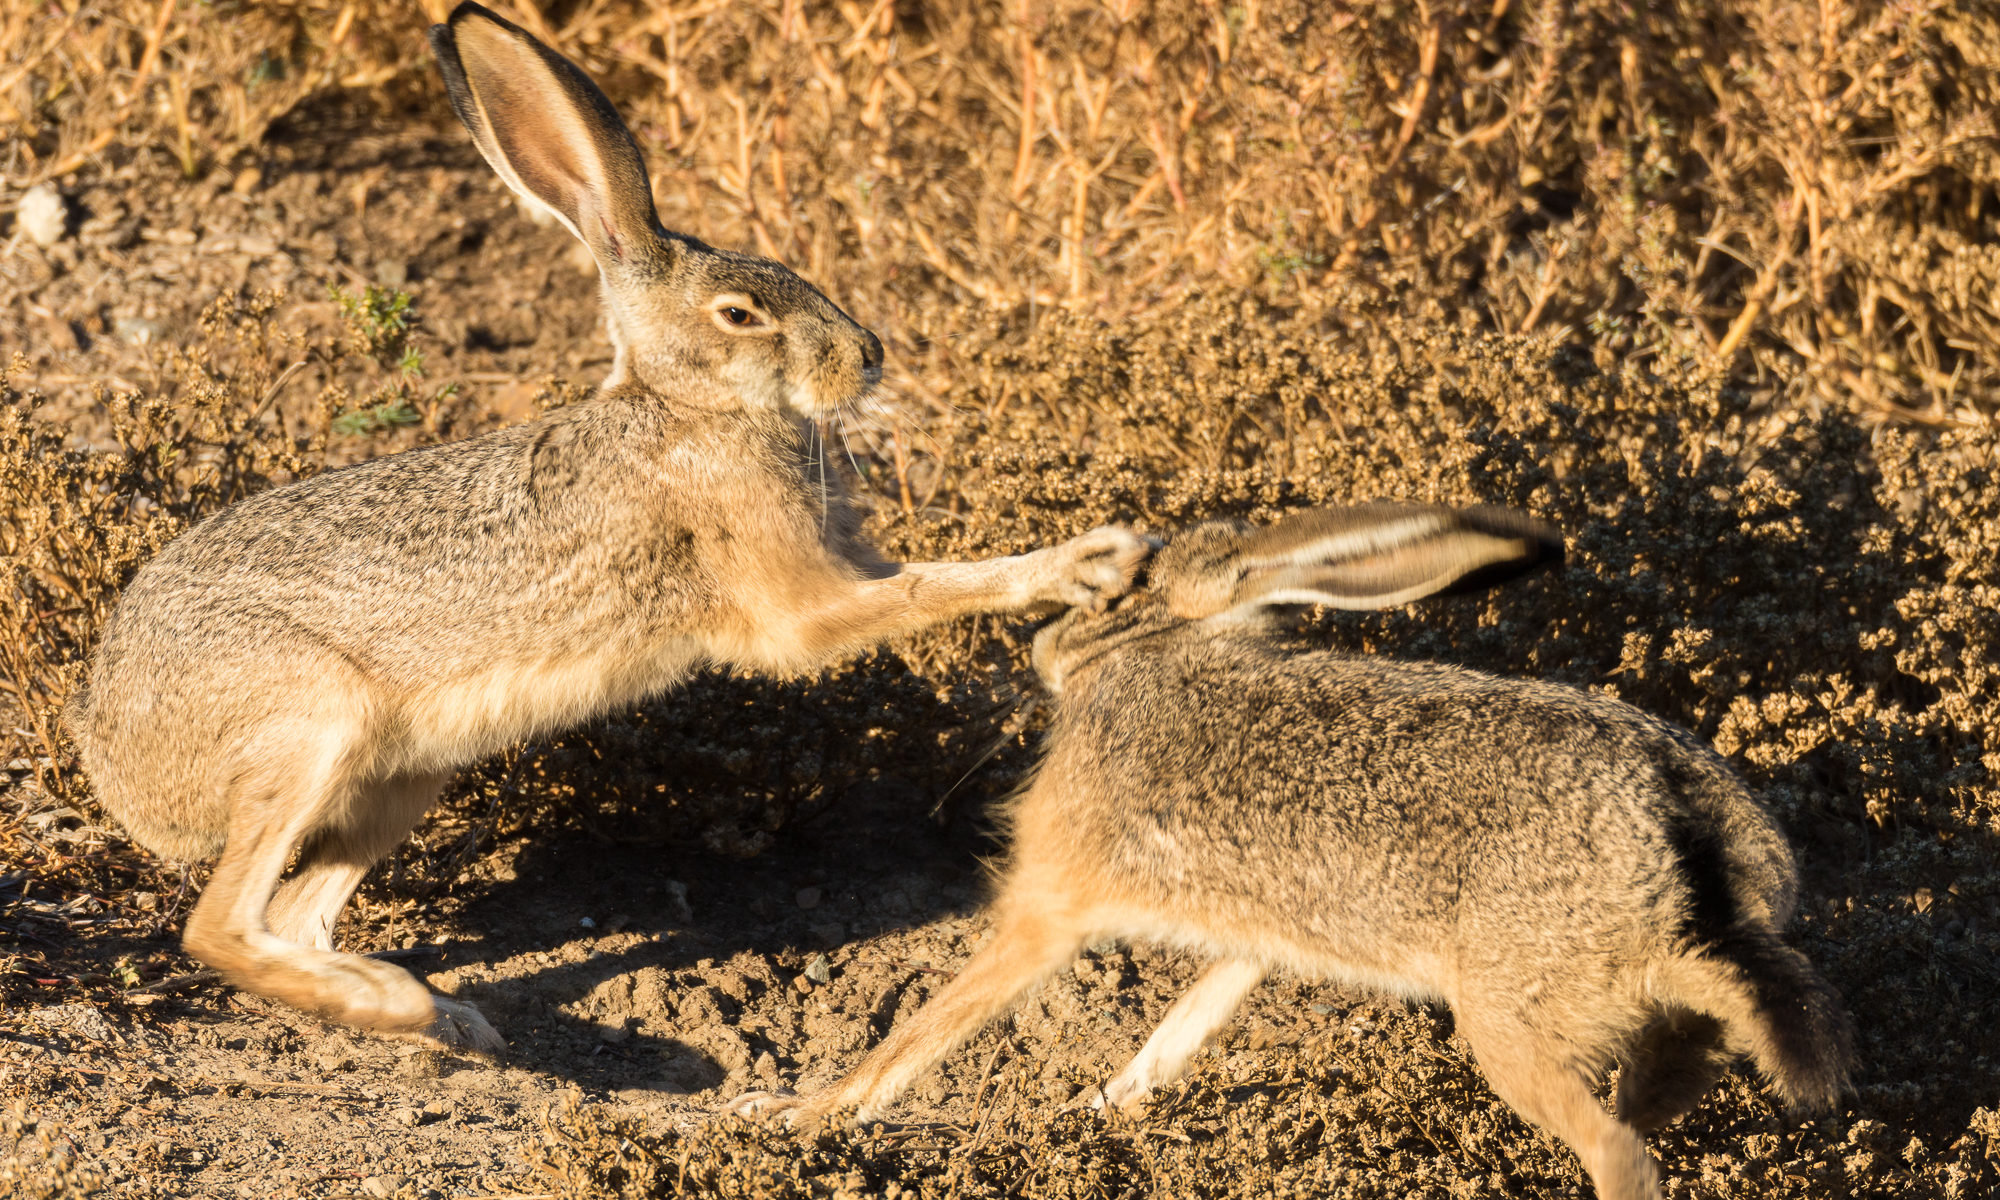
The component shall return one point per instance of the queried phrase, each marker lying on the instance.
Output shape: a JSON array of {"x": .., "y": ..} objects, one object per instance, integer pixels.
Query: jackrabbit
[
  {"x": 1583, "y": 884},
  {"x": 303, "y": 671}
]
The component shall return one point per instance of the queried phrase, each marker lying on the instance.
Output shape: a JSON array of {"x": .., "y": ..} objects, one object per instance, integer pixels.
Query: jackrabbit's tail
[{"x": 1775, "y": 1009}]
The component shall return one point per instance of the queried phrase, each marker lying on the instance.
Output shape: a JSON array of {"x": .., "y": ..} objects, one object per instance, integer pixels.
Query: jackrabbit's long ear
[
  {"x": 1380, "y": 555},
  {"x": 548, "y": 131}
]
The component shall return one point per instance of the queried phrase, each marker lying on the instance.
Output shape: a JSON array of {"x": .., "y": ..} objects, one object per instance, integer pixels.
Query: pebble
[
  {"x": 819, "y": 970},
  {"x": 383, "y": 1186},
  {"x": 677, "y": 902},
  {"x": 42, "y": 214},
  {"x": 137, "y": 330},
  {"x": 79, "y": 1019},
  {"x": 809, "y": 898}
]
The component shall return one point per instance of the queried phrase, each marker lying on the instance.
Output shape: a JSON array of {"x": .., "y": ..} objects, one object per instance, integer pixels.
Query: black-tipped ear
[
  {"x": 547, "y": 130},
  {"x": 1380, "y": 555}
]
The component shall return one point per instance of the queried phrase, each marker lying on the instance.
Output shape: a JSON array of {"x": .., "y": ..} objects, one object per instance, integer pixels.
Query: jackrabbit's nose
[{"x": 871, "y": 351}]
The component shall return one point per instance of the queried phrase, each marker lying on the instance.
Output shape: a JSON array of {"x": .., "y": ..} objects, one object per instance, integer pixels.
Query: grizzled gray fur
[{"x": 1585, "y": 885}]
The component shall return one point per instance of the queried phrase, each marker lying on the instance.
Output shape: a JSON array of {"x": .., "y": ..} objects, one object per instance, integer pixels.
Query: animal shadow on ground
[{"x": 625, "y": 955}]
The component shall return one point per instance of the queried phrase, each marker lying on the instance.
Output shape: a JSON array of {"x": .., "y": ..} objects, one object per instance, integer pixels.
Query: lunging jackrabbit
[
  {"x": 1583, "y": 884},
  {"x": 303, "y": 671}
]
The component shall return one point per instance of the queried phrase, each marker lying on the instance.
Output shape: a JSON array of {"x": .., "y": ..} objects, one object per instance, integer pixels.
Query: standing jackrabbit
[
  {"x": 1583, "y": 884},
  {"x": 304, "y": 671}
]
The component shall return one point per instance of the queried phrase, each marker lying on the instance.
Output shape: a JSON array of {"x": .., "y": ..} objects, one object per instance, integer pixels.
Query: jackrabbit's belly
[
  {"x": 471, "y": 715},
  {"x": 1381, "y": 948}
]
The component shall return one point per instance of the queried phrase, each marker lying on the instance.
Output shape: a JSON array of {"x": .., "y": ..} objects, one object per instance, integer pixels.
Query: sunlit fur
[{"x": 305, "y": 670}]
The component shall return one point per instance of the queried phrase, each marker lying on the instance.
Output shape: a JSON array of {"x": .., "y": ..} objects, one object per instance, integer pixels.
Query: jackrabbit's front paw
[{"x": 1096, "y": 568}]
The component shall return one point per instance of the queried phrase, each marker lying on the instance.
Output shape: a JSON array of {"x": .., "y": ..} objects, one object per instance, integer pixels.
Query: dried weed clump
[
  {"x": 227, "y": 416},
  {"x": 1803, "y": 194}
]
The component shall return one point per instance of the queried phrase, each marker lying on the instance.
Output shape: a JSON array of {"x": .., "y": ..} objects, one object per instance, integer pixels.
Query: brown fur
[
  {"x": 306, "y": 669},
  {"x": 1583, "y": 884}
]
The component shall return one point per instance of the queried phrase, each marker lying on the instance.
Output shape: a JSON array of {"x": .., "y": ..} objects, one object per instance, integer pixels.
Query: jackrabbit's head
[
  {"x": 680, "y": 312},
  {"x": 1230, "y": 573}
]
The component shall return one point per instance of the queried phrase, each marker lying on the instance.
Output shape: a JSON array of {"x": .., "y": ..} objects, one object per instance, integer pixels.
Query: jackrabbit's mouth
[{"x": 871, "y": 378}]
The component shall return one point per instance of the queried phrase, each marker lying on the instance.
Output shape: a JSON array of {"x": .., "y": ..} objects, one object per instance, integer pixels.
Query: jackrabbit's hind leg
[
  {"x": 1530, "y": 1071},
  {"x": 278, "y": 805},
  {"x": 1026, "y": 949},
  {"x": 1194, "y": 1018},
  {"x": 332, "y": 865},
  {"x": 1670, "y": 1067},
  {"x": 337, "y": 857}
]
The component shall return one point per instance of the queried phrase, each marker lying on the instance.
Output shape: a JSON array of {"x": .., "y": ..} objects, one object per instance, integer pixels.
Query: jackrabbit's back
[{"x": 1382, "y": 804}]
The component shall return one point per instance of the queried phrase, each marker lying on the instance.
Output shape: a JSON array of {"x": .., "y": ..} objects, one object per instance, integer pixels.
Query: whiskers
[{"x": 825, "y": 493}]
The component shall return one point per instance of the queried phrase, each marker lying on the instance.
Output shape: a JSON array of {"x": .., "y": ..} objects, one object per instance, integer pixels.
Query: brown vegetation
[
  {"x": 1800, "y": 194},
  {"x": 1669, "y": 275}
]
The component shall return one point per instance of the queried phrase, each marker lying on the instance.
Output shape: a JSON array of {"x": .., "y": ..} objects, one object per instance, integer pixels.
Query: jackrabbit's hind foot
[
  {"x": 1669, "y": 1069},
  {"x": 1123, "y": 1094},
  {"x": 781, "y": 1106},
  {"x": 458, "y": 1026}
]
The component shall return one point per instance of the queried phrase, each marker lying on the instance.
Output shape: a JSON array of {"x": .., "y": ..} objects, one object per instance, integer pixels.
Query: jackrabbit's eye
[{"x": 738, "y": 316}]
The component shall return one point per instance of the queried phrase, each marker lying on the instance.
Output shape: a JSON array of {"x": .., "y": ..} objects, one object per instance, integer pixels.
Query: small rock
[
  {"x": 406, "y": 1116},
  {"x": 392, "y": 272},
  {"x": 829, "y": 933},
  {"x": 819, "y": 970},
  {"x": 383, "y": 1186},
  {"x": 43, "y": 214},
  {"x": 677, "y": 902},
  {"x": 79, "y": 1019},
  {"x": 137, "y": 330},
  {"x": 587, "y": 923},
  {"x": 246, "y": 181},
  {"x": 809, "y": 898}
]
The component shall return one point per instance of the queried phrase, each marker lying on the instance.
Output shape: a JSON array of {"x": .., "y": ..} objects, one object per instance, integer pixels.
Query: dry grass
[
  {"x": 1659, "y": 275},
  {"x": 1803, "y": 194}
]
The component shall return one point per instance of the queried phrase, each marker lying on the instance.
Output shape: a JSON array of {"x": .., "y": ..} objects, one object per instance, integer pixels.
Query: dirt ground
[{"x": 651, "y": 983}]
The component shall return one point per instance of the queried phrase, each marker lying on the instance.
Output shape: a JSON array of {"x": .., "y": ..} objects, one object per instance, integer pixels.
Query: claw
[
  {"x": 459, "y": 1026},
  {"x": 763, "y": 1106}
]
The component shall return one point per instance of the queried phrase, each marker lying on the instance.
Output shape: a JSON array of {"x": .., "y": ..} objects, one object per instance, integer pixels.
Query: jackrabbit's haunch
[
  {"x": 303, "y": 671},
  {"x": 1583, "y": 884}
]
